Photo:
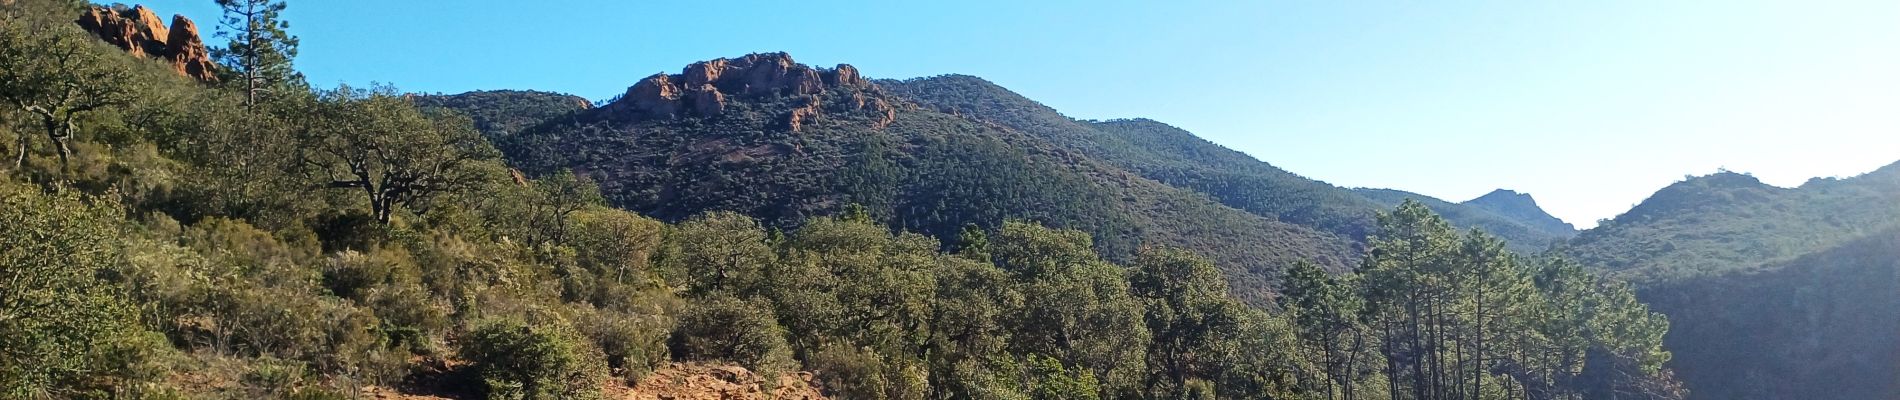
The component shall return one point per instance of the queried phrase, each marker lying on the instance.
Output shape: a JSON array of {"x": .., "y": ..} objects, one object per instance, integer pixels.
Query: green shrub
[
  {"x": 634, "y": 344},
  {"x": 723, "y": 328},
  {"x": 543, "y": 360},
  {"x": 53, "y": 249},
  {"x": 857, "y": 373}
]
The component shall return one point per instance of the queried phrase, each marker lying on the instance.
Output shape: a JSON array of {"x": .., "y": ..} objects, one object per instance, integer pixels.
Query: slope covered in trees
[
  {"x": 1776, "y": 292},
  {"x": 1821, "y": 326},
  {"x": 1731, "y": 221},
  {"x": 264, "y": 240},
  {"x": 784, "y": 151},
  {"x": 1178, "y": 158},
  {"x": 502, "y": 113}
]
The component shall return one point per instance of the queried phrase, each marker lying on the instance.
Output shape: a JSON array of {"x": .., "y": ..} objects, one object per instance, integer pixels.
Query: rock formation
[
  {"x": 187, "y": 51},
  {"x": 704, "y": 88},
  {"x": 142, "y": 33}
]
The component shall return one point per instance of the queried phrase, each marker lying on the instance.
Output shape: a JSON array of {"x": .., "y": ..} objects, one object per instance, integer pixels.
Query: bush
[
  {"x": 864, "y": 374},
  {"x": 723, "y": 328},
  {"x": 520, "y": 360},
  {"x": 634, "y": 344},
  {"x": 53, "y": 249}
]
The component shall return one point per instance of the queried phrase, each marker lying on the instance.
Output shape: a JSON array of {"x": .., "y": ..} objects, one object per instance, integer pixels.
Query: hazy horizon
[{"x": 1587, "y": 107}]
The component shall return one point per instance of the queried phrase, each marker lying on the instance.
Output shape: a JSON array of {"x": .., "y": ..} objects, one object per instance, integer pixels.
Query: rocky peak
[
  {"x": 702, "y": 89},
  {"x": 1520, "y": 207},
  {"x": 139, "y": 31}
]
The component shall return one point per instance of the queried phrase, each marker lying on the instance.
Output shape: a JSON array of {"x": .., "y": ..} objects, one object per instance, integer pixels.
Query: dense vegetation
[
  {"x": 1176, "y": 157},
  {"x": 260, "y": 239},
  {"x": 1775, "y": 292},
  {"x": 1821, "y": 326},
  {"x": 926, "y": 171},
  {"x": 502, "y": 113},
  {"x": 1730, "y": 221}
]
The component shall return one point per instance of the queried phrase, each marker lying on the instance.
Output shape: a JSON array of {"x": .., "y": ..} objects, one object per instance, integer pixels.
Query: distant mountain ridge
[
  {"x": 1521, "y": 208},
  {"x": 1522, "y": 228}
]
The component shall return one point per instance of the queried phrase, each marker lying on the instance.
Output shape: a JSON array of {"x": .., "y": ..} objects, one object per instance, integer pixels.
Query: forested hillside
[
  {"x": 1821, "y": 326},
  {"x": 1730, "y": 221},
  {"x": 1775, "y": 292},
  {"x": 172, "y": 232},
  {"x": 783, "y": 142},
  {"x": 502, "y": 113},
  {"x": 1178, "y": 158}
]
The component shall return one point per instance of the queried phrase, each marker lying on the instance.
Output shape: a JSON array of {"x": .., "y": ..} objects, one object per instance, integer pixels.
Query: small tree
[
  {"x": 54, "y": 75},
  {"x": 377, "y": 142}
]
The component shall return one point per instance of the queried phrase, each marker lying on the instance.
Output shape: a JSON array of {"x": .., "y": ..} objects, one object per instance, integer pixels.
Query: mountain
[
  {"x": 1522, "y": 229},
  {"x": 1772, "y": 292},
  {"x": 1522, "y": 208},
  {"x": 783, "y": 142},
  {"x": 1178, "y": 158}
]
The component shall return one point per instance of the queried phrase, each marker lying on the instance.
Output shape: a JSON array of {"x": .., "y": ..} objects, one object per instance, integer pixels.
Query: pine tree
[{"x": 259, "y": 55}]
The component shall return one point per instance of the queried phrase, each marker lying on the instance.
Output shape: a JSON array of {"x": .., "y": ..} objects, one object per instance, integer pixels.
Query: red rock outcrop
[
  {"x": 806, "y": 111},
  {"x": 142, "y": 33},
  {"x": 187, "y": 51},
  {"x": 703, "y": 89},
  {"x": 845, "y": 75},
  {"x": 655, "y": 96}
]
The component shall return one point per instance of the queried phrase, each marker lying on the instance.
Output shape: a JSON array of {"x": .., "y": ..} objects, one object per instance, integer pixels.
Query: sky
[{"x": 1589, "y": 106}]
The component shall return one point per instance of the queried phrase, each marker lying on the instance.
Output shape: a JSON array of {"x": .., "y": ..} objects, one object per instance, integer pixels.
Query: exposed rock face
[
  {"x": 142, "y": 33},
  {"x": 806, "y": 111},
  {"x": 845, "y": 75},
  {"x": 704, "y": 88},
  {"x": 655, "y": 96},
  {"x": 187, "y": 51}
]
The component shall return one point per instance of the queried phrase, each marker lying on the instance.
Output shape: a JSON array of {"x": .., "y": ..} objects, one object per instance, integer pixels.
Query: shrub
[
  {"x": 723, "y": 328},
  {"x": 520, "y": 360},
  {"x": 634, "y": 344},
  {"x": 53, "y": 249},
  {"x": 858, "y": 373}
]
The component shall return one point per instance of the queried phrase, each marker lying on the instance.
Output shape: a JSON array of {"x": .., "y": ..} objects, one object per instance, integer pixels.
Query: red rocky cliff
[
  {"x": 704, "y": 88},
  {"x": 142, "y": 33}
]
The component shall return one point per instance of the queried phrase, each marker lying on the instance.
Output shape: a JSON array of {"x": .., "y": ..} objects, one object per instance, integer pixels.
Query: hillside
[
  {"x": 503, "y": 113},
  {"x": 1178, "y": 158},
  {"x": 1820, "y": 326},
  {"x": 781, "y": 141},
  {"x": 1730, "y": 221},
  {"x": 801, "y": 233},
  {"x": 1773, "y": 292}
]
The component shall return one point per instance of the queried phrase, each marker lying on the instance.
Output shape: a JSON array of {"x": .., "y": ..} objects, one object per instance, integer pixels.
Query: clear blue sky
[{"x": 1588, "y": 105}]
